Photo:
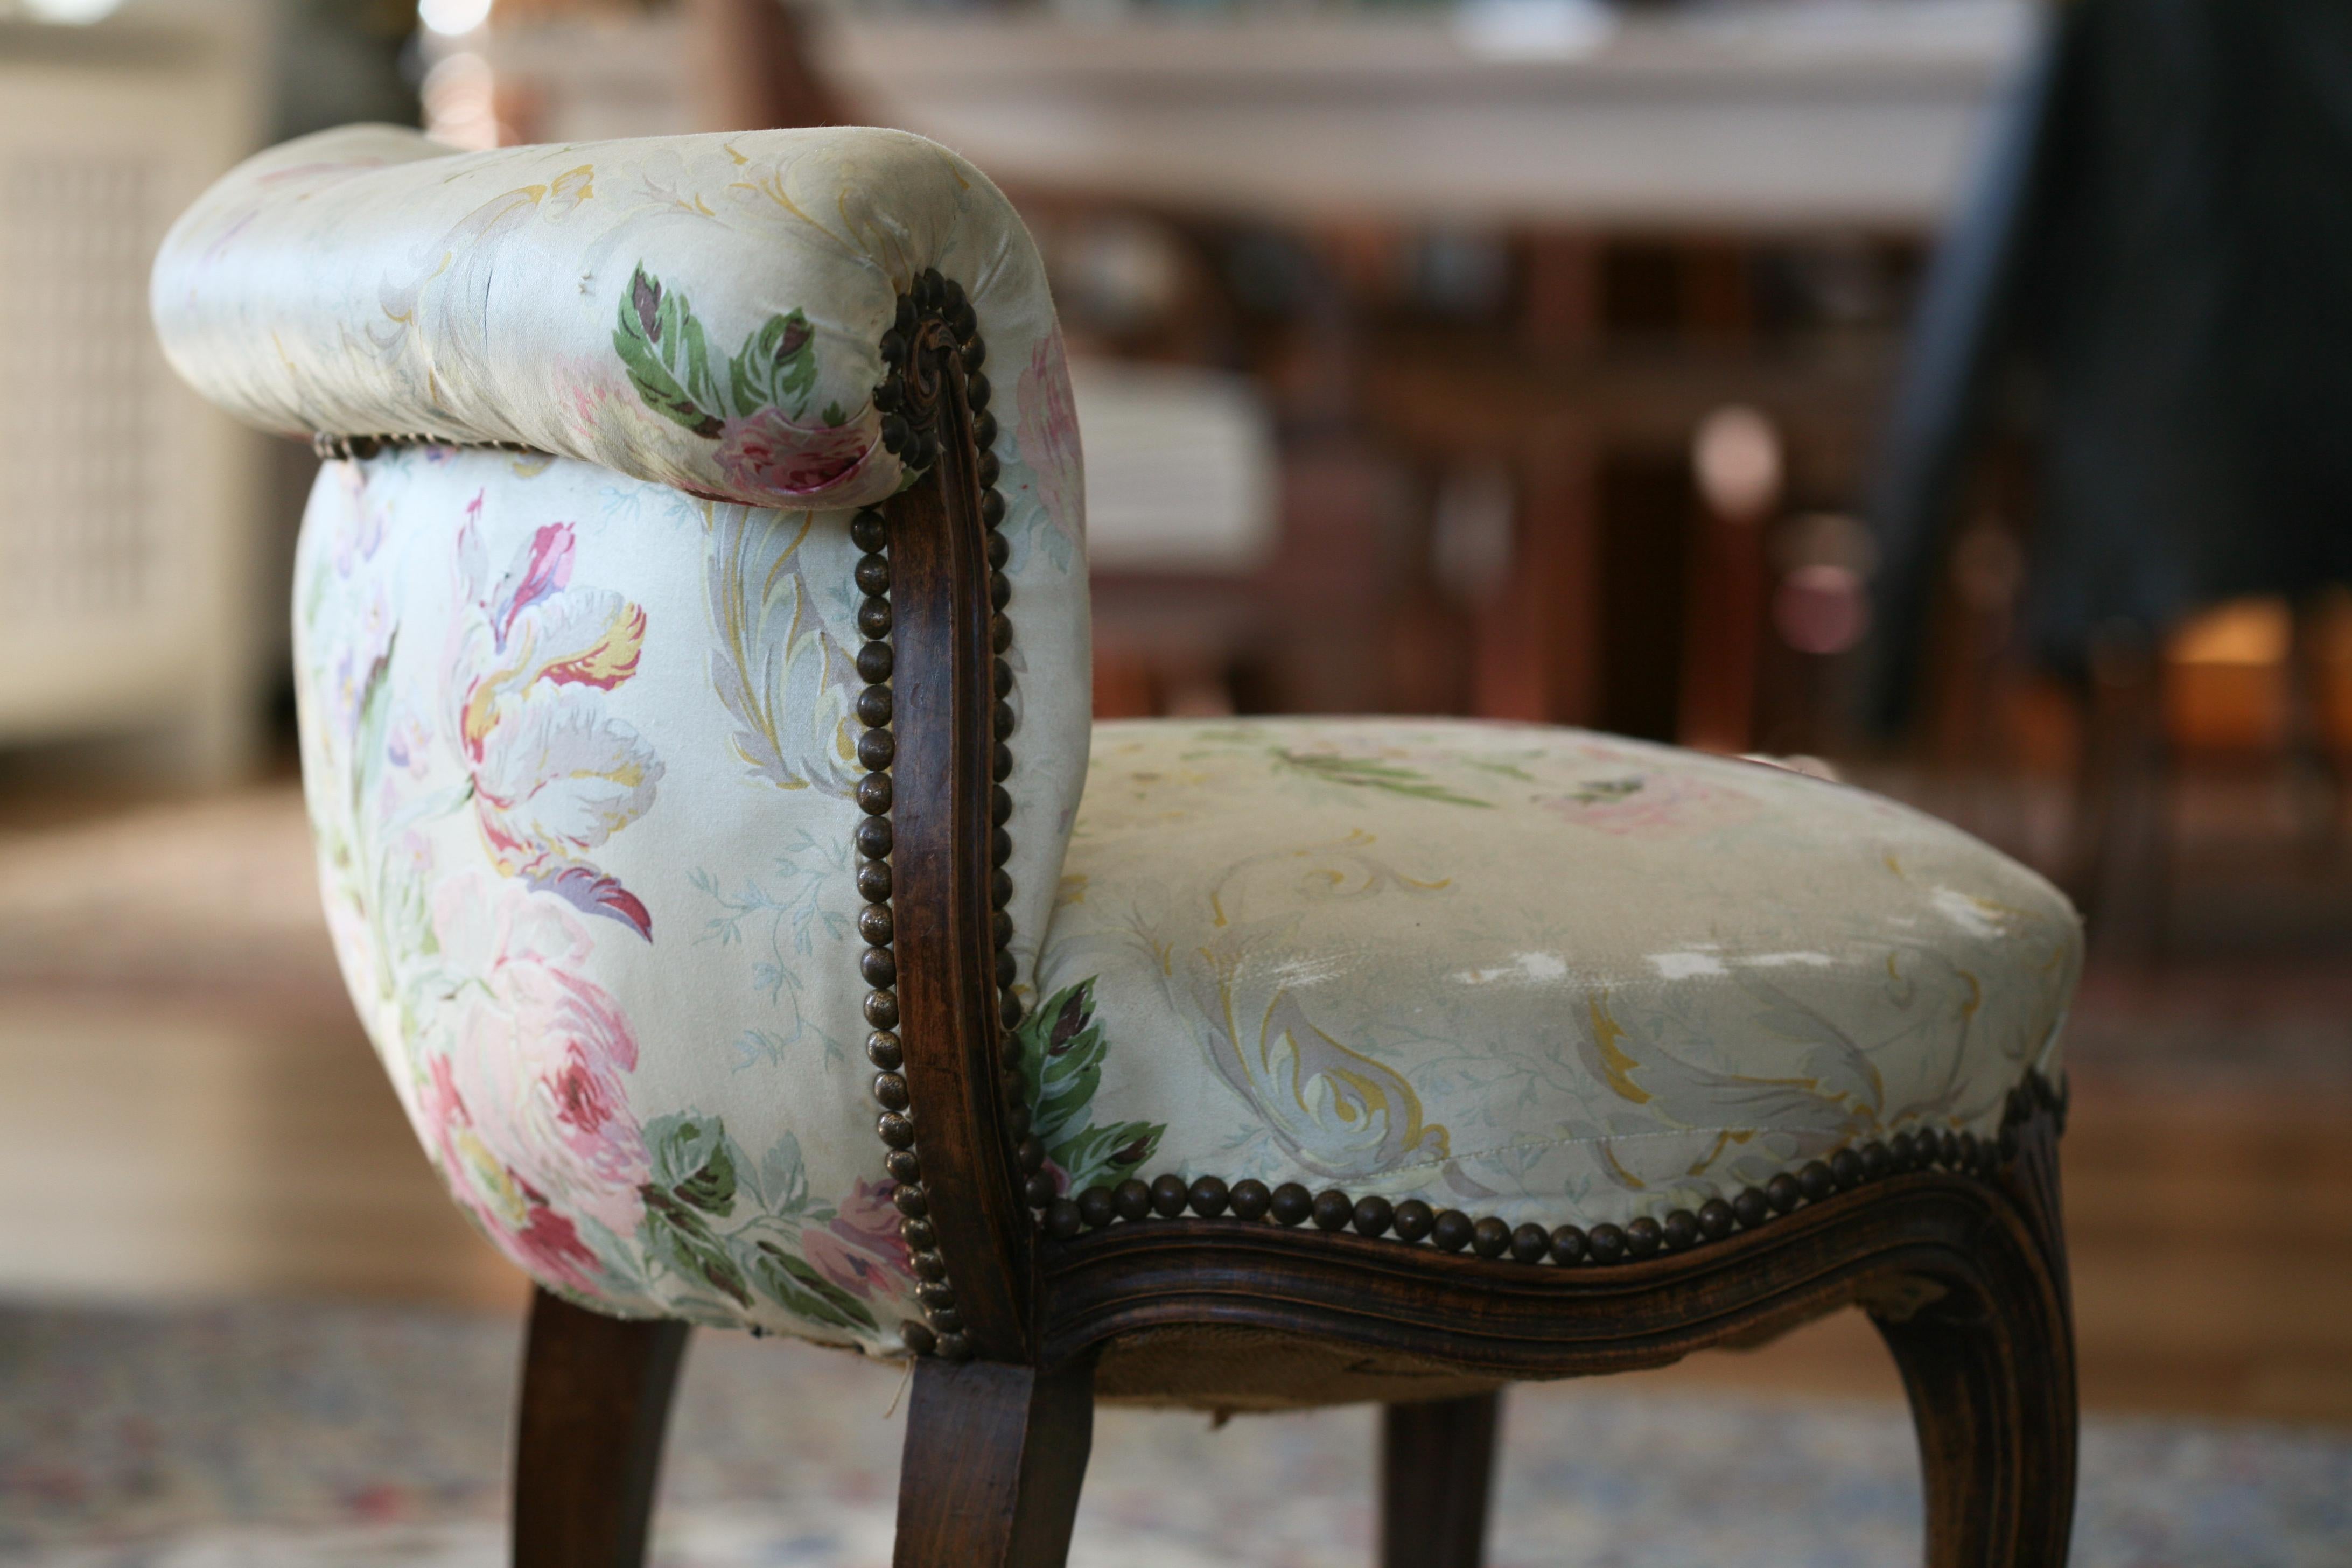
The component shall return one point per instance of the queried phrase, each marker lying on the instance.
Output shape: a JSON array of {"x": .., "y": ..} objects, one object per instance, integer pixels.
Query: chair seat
[{"x": 1533, "y": 973}]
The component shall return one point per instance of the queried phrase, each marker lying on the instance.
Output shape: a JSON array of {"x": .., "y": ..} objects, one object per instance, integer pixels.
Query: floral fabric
[
  {"x": 704, "y": 311},
  {"x": 580, "y": 754},
  {"x": 1534, "y": 973}
]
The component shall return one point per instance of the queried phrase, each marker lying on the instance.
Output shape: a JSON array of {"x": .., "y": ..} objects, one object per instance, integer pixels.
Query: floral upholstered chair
[{"x": 691, "y": 620}]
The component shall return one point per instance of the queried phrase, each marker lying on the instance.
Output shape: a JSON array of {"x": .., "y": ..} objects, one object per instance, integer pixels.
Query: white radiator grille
[{"x": 80, "y": 436}]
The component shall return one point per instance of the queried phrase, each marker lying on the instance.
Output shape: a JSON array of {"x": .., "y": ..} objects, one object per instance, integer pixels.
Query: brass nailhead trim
[
  {"x": 910, "y": 432},
  {"x": 1568, "y": 1245}
]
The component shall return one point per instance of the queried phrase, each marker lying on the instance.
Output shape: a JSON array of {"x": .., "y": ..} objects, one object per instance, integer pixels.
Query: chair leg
[
  {"x": 595, "y": 1397},
  {"x": 1436, "y": 1469},
  {"x": 1991, "y": 1376},
  {"x": 994, "y": 1458}
]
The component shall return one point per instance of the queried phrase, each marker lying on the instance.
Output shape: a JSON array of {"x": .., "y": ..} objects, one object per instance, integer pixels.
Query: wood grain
[{"x": 595, "y": 1400}]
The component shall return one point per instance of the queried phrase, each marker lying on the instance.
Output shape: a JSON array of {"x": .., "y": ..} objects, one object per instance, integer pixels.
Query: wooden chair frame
[{"x": 1952, "y": 1242}]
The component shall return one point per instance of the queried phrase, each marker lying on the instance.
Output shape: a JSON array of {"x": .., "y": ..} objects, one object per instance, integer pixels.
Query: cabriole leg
[
  {"x": 595, "y": 1398},
  {"x": 1436, "y": 1469},
  {"x": 994, "y": 1458}
]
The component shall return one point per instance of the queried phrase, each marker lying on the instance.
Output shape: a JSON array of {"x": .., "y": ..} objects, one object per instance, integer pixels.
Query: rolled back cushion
[{"x": 581, "y": 719}]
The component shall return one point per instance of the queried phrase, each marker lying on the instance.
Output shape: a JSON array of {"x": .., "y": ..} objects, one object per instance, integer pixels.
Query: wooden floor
[{"x": 190, "y": 1111}]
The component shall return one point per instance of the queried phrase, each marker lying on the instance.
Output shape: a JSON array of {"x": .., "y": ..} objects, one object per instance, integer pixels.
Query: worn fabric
[
  {"x": 1529, "y": 972},
  {"x": 704, "y": 311}
]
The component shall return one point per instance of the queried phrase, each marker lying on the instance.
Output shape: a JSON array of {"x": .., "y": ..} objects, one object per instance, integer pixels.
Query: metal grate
[{"x": 80, "y": 424}]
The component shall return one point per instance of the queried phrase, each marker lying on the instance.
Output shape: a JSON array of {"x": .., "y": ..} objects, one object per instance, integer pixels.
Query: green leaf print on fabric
[
  {"x": 733, "y": 1231},
  {"x": 668, "y": 354},
  {"x": 1061, "y": 1049},
  {"x": 1365, "y": 773}
]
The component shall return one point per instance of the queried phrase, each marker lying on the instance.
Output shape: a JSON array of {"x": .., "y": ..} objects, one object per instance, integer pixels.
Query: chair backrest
[{"x": 577, "y": 737}]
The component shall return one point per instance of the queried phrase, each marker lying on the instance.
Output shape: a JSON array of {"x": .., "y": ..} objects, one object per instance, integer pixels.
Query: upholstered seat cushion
[{"x": 1533, "y": 973}]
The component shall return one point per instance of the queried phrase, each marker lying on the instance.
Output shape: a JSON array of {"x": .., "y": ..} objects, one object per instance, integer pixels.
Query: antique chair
[{"x": 693, "y": 657}]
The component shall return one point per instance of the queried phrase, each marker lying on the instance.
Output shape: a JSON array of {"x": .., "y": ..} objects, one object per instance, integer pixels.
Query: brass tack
[
  {"x": 1095, "y": 1207},
  {"x": 1000, "y": 633},
  {"x": 1291, "y": 1204},
  {"x": 910, "y": 1201},
  {"x": 872, "y": 838},
  {"x": 1568, "y": 1245},
  {"x": 874, "y": 923},
  {"x": 1063, "y": 1220},
  {"x": 1008, "y": 968},
  {"x": 1451, "y": 1230},
  {"x": 1332, "y": 1209},
  {"x": 1006, "y": 721},
  {"x": 881, "y": 1006},
  {"x": 1642, "y": 1236},
  {"x": 917, "y": 1232},
  {"x": 902, "y": 1165},
  {"x": 1000, "y": 926},
  {"x": 999, "y": 847},
  {"x": 988, "y": 470},
  {"x": 1817, "y": 1181},
  {"x": 1783, "y": 1193},
  {"x": 877, "y": 968},
  {"x": 992, "y": 509},
  {"x": 999, "y": 550},
  {"x": 1001, "y": 762},
  {"x": 1948, "y": 1150},
  {"x": 869, "y": 531},
  {"x": 1008, "y": 1010},
  {"x": 955, "y": 1347},
  {"x": 1967, "y": 1151},
  {"x": 895, "y": 1130},
  {"x": 976, "y": 391},
  {"x": 1716, "y": 1219},
  {"x": 873, "y": 707},
  {"x": 1017, "y": 1120},
  {"x": 1029, "y": 1153},
  {"x": 983, "y": 431},
  {"x": 890, "y": 1090},
  {"x": 1680, "y": 1229},
  {"x": 1901, "y": 1150},
  {"x": 1040, "y": 1188},
  {"x": 1845, "y": 1170},
  {"x": 999, "y": 590},
  {"x": 918, "y": 1338},
  {"x": 1000, "y": 887},
  {"x": 947, "y": 1320},
  {"x": 882, "y": 1048},
  {"x": 873, "y": 618},
  {"x": 935, "y": 1293},
  {"x": 975, "y": 353},
  {"x": 1606, "y": 1243},
  {"x": 1531, "y": 1243},
  {"x": 1169, "y": 1196},
  {"x": 1373, "y": 1215},
  {"x": 874, "y": 661},
  {"x": 930, "y": 1266},
  {"x": 1876, "y": 1162},
  {"x": 1131, "y": 1198},
  {"x": 1000, "y": 804},
  {"x": 1207, "y": 1196},
  {"x": 874, "y": 881},
  {"x": 872, "y": 575},
  {"x": 1413, "y": 1218},
  {"x": 877, "y": 749},
  {"x": 1250, "y": 1198},
  {"x": 1490, "y": 1237},
  {"x": 874, "y": 795}
]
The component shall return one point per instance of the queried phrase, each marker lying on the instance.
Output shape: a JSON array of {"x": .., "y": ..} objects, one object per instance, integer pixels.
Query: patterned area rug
[{"x": 273, "y": 1437}]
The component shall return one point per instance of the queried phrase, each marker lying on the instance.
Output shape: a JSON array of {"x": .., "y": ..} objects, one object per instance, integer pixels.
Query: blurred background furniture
[
  {"x": 2133, "y": 330},
  {"x": 130, "y": 545}
]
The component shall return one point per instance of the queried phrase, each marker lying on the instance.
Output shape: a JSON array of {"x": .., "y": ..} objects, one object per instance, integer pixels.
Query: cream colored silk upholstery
[
  {"x": 578, "y": 744},
  {"x": 1533, "y": 973},
  {"x": 702, "y": 311}
]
